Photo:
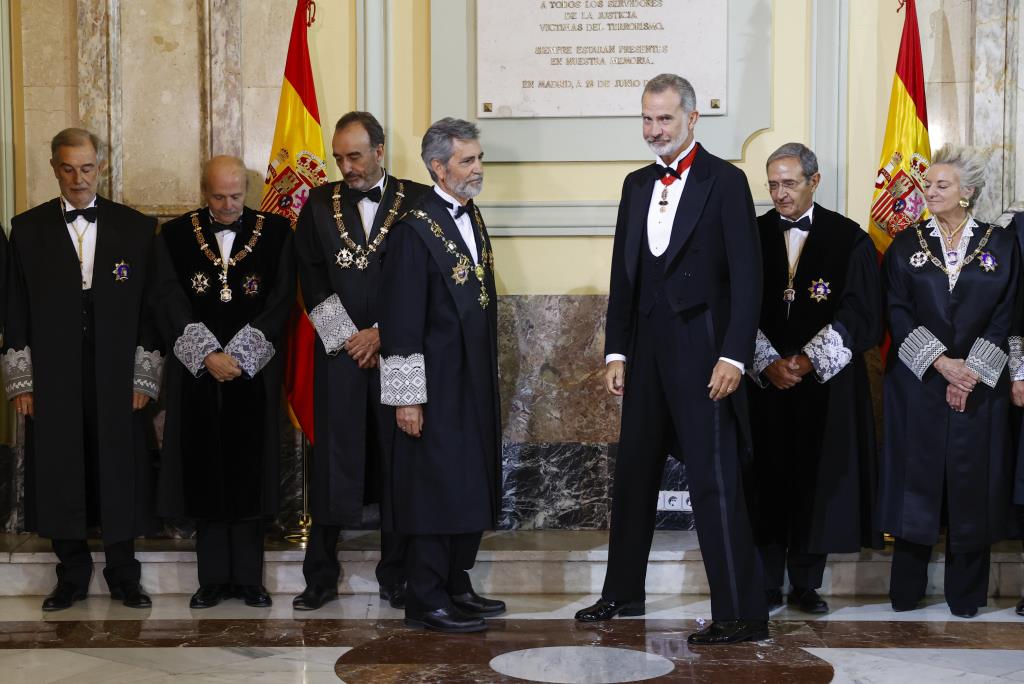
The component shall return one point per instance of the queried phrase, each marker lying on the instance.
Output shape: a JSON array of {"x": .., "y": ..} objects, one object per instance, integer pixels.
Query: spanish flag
[
  {"x": 899, "y": 199},
  {"x": 296, "y": 166}
]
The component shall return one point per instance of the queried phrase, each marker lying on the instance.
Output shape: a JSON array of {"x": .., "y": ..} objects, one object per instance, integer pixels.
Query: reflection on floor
[{"x": 358, "y": 640}]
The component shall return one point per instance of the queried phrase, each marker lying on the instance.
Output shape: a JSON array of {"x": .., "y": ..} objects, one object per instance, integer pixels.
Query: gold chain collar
[
  {"x": 939, "y": 263},
  {"x": 353, "y": 253},
  {"x": 225, "y": 291},
  {"x": 464, "y": 265}
]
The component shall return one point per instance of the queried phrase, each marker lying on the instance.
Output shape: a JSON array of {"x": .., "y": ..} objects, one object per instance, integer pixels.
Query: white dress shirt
[
  {"x": 463, "y": 222},
  {"x": 659, "y": 223},
  {"x": 795, "y": 239},
  {"x": 225, "y": 238},
  {"x": 368, "y": 208},
  {"x": 88, "y": 232}
]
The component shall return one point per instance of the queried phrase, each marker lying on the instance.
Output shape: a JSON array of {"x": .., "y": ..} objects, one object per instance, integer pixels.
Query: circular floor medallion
[{"x": 581, "y": 665}]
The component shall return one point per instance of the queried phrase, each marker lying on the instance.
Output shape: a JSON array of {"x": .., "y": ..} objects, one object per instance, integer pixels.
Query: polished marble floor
[{"x": 358, "y": 640}]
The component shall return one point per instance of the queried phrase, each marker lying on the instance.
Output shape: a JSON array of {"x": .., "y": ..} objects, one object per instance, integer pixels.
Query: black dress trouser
[
  {"x": 320, "y": 566},
  {"x": 74, "y": 564},
  {"x": 436, "y": 569},
  {"x": 806, "y": 570},
  {"x": 230, "y": 552},
  {"x": 665, "y": 408}
]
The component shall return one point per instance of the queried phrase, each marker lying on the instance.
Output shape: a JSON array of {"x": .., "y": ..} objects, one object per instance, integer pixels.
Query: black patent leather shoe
[
  {"x": 773, "y": 597},
  {"x": 967, "y": 612},
  {"x": 730, "y": 632},
  {"x": 903, "y": 606},
  {"x": 313, "y": 598},
  {"x": 807, "y": 601},
  {"x": 254, "y": 595},
  {"x": 472, "y": 603},
  {"x": 63, "y": 596},
  {"x": 1020, "y": 607},
  {"x": 131, "y": 595},
  {"x": 209, "y": 596},
  {"x": 606, "y": 610},
  {"x": 394, "y": 594},
  {"x": 444, "y": 620}
]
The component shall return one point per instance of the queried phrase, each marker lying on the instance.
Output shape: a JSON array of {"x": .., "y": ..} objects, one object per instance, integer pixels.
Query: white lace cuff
[
  {"x": 17, "y": 372},
  {"x": 194, "y": 345},
  {"x": 333, "y": 324},
  {"x": 828, "y": 353},
  {"x": 1016, "y": 361},
  {"x": 148, "y": 369},
  {"x": 919, "y": 351},
  {"x": 251, "y": 349},
  {"x": 403, "y": 380},
  {"x": 987, "y": 360},
  {"x": 764, "y": 356}
]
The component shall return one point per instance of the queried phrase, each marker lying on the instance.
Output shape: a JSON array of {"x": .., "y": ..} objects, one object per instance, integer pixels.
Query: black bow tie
[
  {"x": 460, "y": 209},
  {"x": 89, "y": 214},
  {"x": 669, "y": 171},
  {"x": 803, "y": 224},
  {"x": 355, "y": 196}
]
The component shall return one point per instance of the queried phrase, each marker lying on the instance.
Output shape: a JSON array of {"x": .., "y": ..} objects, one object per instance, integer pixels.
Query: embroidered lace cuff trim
[
  {"x": 194, "y": 345},
  {"x": 251, "y": 349},
  {"x": 919, "y": 351},
  {"x": 828, "y": 353},
  {"x": 764, "y": 356},
  {"x": 17, "y": 372},
  {"x": 403, "y": 380},
  {"x": 1016, "y": 361},
  {"x": 333, "y": 324},
  {"x": 148, "y": 372},
  {"x": 987, "y": 360}
]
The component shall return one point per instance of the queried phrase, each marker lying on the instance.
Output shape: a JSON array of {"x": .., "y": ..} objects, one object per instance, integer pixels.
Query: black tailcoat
[
  {"x": 221, "y": 450},
  {"x": 815, "y": 460},
  {"x": 927, "y": 444},
  {"x": 448, "y": 480},
  {"x": 45, "y": 316},
  {"x": 712, "y": 264},
  {"x": 342, "y": 392}
]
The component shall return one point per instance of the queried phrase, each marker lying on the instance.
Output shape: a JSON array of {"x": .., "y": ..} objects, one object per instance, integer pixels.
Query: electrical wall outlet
[{"x": 669, "y": 500}]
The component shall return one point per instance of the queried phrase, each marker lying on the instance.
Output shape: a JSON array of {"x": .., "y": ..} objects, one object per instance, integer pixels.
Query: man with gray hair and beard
[
  {"x": 682, "y": 316},
  {"x": 439, "y": 369}
]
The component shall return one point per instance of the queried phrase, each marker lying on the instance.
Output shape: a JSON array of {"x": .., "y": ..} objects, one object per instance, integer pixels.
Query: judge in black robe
[
  {"x": 339, "y": 264},
  {"x": 221, "y": 449},
  {"x": 1015, "y": 367},
  {"x": 815, "y": 461},
  {"x": 947, "y": 458},
  {"x": 82, "y": 359},
  {"x": 439, "y": 367}
]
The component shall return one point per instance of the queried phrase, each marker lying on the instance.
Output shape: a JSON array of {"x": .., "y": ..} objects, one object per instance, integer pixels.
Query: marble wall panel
[
  {"x": 224, "y": 76},
  {"x": 947, "y": 36},
  {"x": 161, "y": 103}
]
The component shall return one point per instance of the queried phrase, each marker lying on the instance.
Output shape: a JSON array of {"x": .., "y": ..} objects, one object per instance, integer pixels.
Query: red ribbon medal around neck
[{"x": 684, "y": 163}]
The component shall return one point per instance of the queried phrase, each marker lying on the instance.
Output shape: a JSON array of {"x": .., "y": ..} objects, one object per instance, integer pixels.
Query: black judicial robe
[
  {"x": 1017, "y": 358},
  {"x": 342, "y": 466},
  {"x": 43, "y": 347},
  {"x": 447, "y": 481},
  {"x": 928, "y": 446},
  {"x": 221, "y": 449},
  {"x": 815, "y": 460}
]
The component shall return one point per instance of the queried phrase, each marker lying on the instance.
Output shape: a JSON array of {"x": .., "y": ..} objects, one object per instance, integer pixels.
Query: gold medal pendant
[
  {"x": 788, "y": 295},
  {"x": 664, "y": 200},
  {"x": 225, "y": 293}
]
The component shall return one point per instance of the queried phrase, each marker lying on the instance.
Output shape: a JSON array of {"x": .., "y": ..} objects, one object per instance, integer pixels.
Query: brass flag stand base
[{"x": 300, "y": 533}]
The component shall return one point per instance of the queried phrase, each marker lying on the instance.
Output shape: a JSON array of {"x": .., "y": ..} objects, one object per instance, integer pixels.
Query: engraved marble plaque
[{"x": 592, "y": 58}]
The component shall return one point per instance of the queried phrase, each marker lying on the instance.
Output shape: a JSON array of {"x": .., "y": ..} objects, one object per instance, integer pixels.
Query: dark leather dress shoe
[
  {"x": 254, "y": 595},
  {"x": 313, "y": 598},
  {"x": 807, "y": 601},
  {"x": 209, "y": 596},
  {"x": 606, "y": 610},
  {"x": 903, "y": 606},
  {"x": 131, "y": 595},
  {"x": 730, "y": 632},
  {"x": 1020, "y": 607},
  {"x": 444, "y": 620},
  {"x": 63, "y": 596},
  {"x": 394, "y": 594},
  {"x": 773, "y": 597},
  {"x": 472, "y": 603},
  {"x": 967, "y": 612}
]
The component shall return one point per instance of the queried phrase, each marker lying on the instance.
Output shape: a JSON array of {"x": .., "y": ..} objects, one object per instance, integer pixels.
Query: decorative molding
[
  {"x": 99, "y": 79},
  {"x": 221, "y": 57},
  {"x": 453, "y": 75},
  {"x": 558, "y": 219}
]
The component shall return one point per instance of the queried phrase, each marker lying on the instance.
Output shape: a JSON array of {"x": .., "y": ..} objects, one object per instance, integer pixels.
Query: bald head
[{"x": 224, "y": 184}]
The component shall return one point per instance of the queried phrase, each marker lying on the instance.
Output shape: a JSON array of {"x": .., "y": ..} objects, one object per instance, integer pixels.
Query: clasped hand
[
  {"x": 956, "y": 373},
  {"x": 363, "y": 347},
  {"x": 786, "y": 373},
  {"x": 223, "y": 367}
]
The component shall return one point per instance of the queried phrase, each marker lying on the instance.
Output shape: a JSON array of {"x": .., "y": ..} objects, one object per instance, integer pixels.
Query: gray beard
[{"x": 468, "y": 190}]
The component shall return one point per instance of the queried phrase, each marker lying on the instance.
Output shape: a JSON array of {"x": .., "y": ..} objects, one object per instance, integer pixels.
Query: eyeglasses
[{"x": 774, "y": 186}]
